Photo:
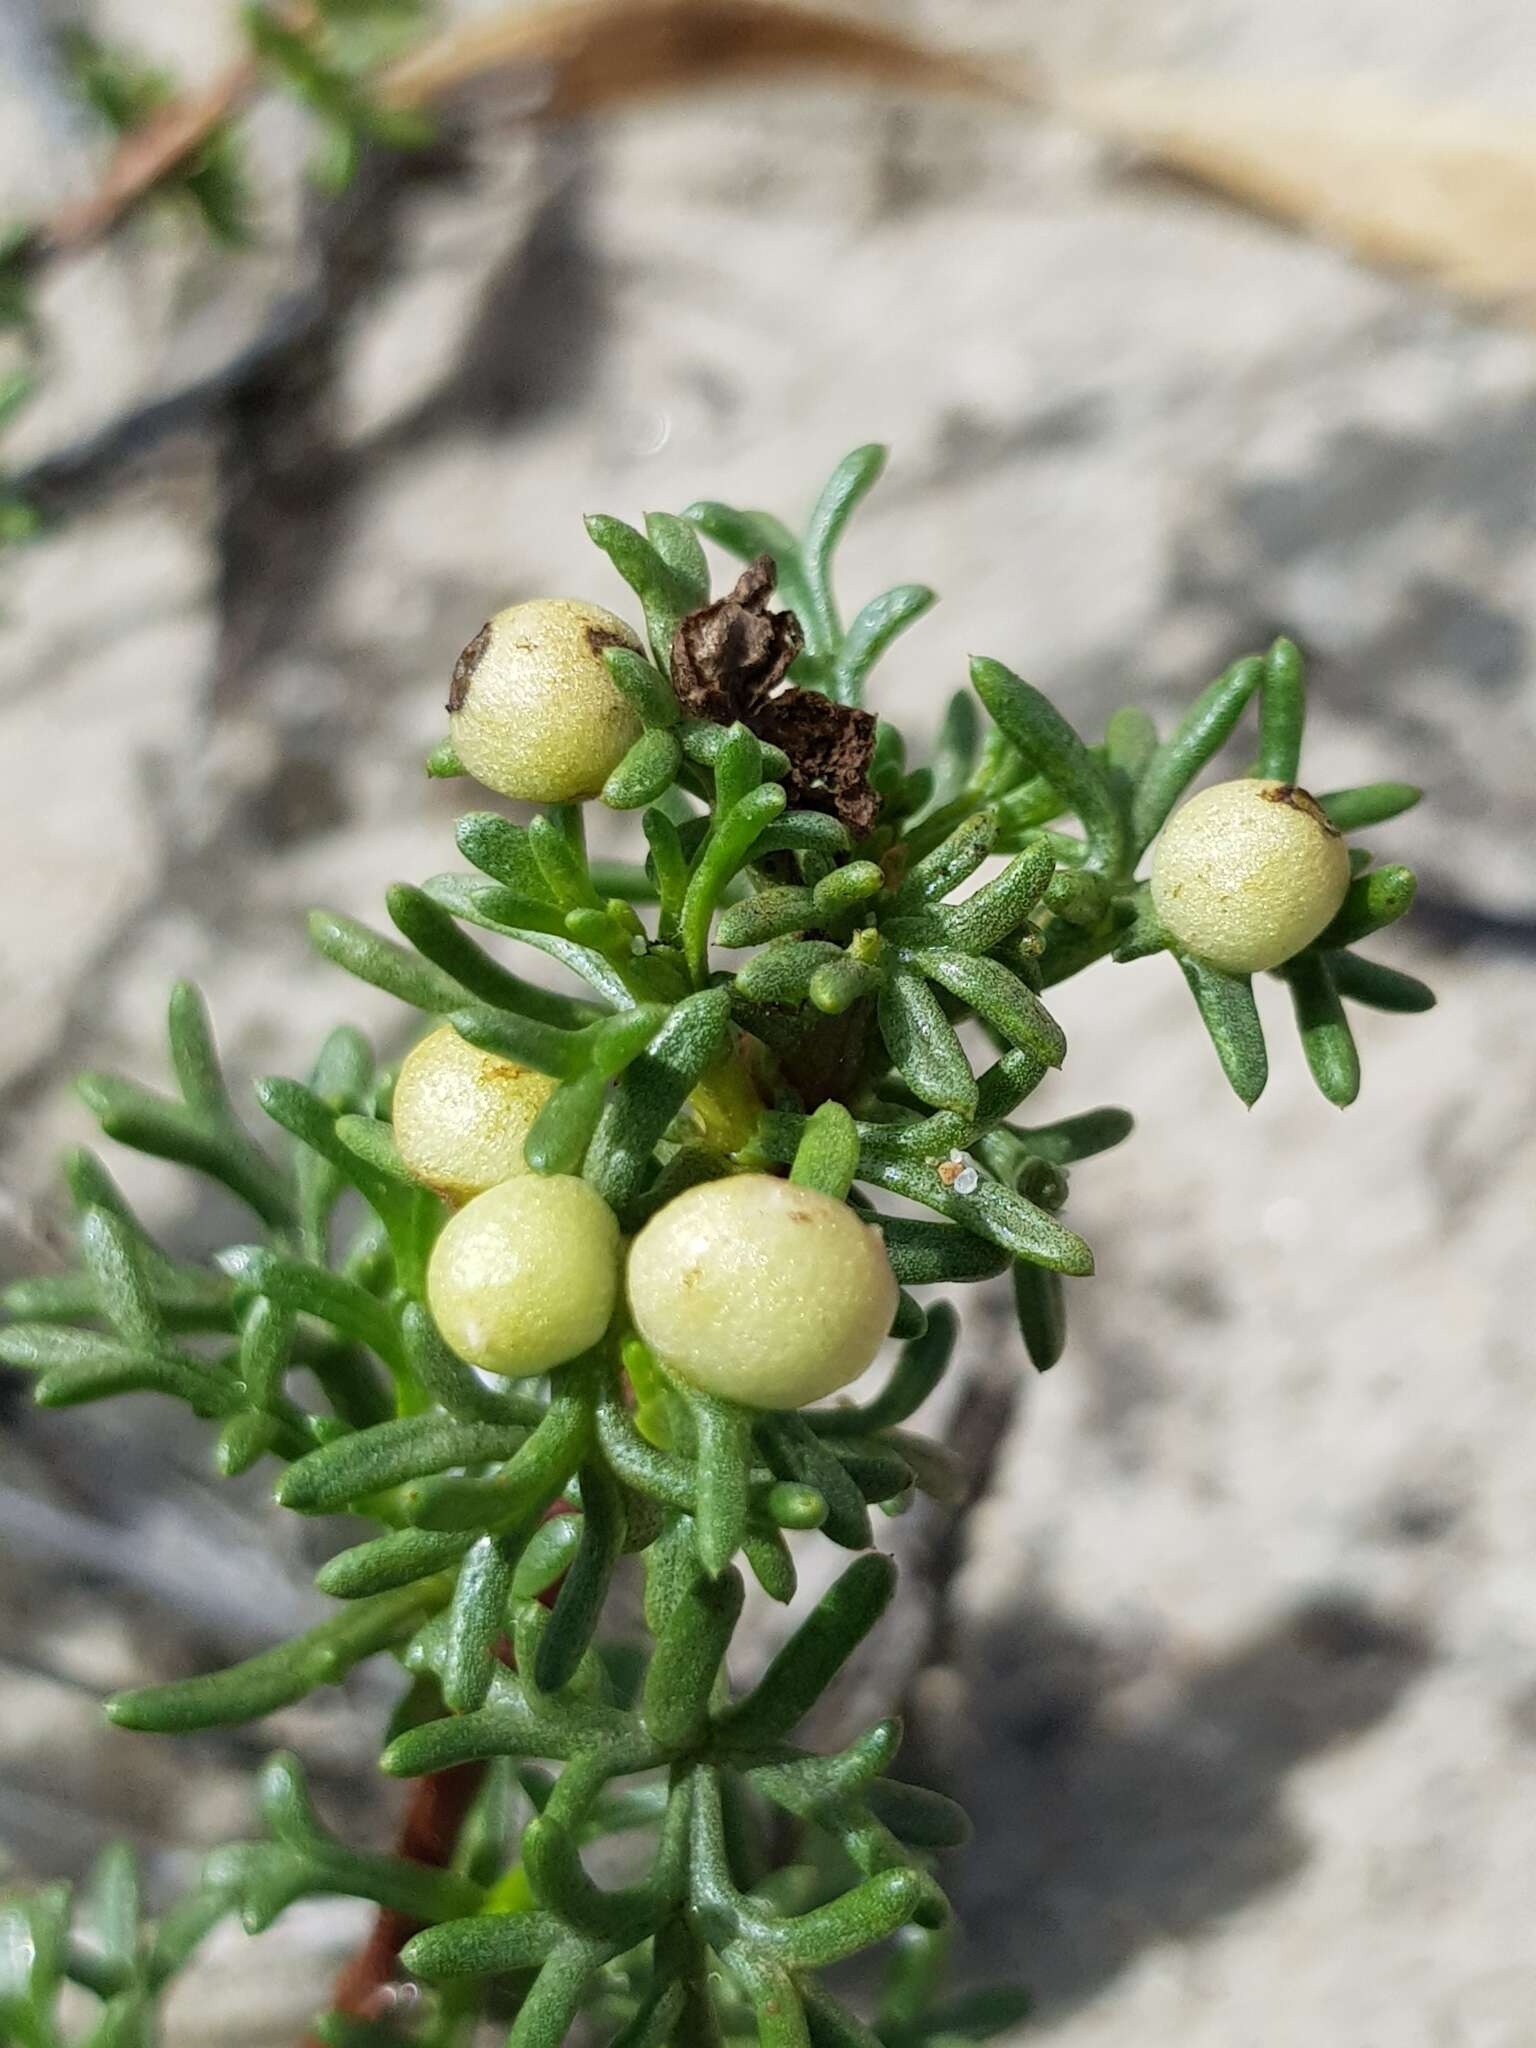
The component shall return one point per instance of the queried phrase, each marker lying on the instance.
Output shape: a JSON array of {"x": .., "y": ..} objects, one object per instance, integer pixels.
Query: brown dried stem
[
  {"x": 438, "y": 1807},
  {"x": 581, "y": 55},
  {"x": 148, "y": 156}
]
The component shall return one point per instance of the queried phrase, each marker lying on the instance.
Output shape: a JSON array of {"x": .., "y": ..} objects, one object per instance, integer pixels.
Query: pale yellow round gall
[
  {"x": 526, "y": 1275},
  {"x": 761, "y": 1292},
  {"x": 461, "y": 1115},
  {"x": 1247, "y": 873},
  {"x": 533, "y": 712}
]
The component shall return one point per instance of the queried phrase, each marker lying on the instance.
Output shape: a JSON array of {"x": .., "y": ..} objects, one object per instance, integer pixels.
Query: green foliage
[
  {"x": 835, "y": 1041},
  {"x": 325, "y": 69}
]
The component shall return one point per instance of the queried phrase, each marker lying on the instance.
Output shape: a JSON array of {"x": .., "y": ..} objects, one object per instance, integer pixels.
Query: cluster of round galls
[{"x": 749, "y": 1287}]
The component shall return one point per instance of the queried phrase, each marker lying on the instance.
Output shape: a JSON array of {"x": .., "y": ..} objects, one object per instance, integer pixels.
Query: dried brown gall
[
  {"x": 731, "y": 660},
  {"x": 1298, "y": 799},
  {"x": 464, "y": 668}
]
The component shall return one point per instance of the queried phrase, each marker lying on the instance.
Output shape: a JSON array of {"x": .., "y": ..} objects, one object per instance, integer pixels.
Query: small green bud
[
  {"x": 525, "y": 1276},
  {"x": 1247, "y": 873},
  {"x": 533, "y": 712},
  {"x": 461, "y": 1115},
  {"x": 760, "y": 1291}
]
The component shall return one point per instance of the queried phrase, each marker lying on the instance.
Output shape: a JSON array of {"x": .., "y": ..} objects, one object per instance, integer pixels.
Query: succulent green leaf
[
  {"x": 380, "y": 962},
  {"x": 1373, "y": 902},
  {"x": 678, "y": 546},
  {"x": 1130, "y": 741},
  {"x": 723, "y": 1475},
  {"x": 1353, "y": 810},
  {"x": 439, "y": 939},
  {"x": 846, "y": 888},
  {"x": 670, "y": 868},
  {"x": 998, "y": 909},
  {"x": 494, "y": 909},
  {"x": 303, "y": 1859},
  {"x": 477, "y": 1616},
  {"x": 991, "y": 1211},
  {"x": 805, "y": 1666},
  {"x": 923, "y": 1046},
  {"x": 852, "y": 479},
  {"x": 1040, "y": 1305},
  {"x": 1326, "y": 1038},
  {"x": 665, "y": 595},
  {"x": 557, "y": 841},
  {"x": 1045, "y": 739},
  {"x": 783, "y": 971},
  {"x": 546, "y": 1556},
  {"x": 836, "y": 985},
  {"x": 794, "y": 1451},
  {"x": 340, "y": 1475},
  {"x": 770, "y": 914},
  {"x": 1000, "y": 999},
  {"x": 530, "y": 1482},
  {"x": 500, "y": 849},
  {"x": 1282, "y": 711},
  {"x": 646, "y": 771},
  {"x": 951, "y": 862},
  {"x": 311, "y": 1290},
  {"x": 1198, "y": 737},
  {"x": 112, "y": 1254},
  {"x": 827, "y": 1157},
  {"x": 750, "y": 534},
  {"x": 803, "y": 832},
  {"x": 561, "y": 1133},
  {"x": 651, "y": 1091},
  {"x": 280, "y": 1676},
  {"x": 772, "y": 1563},
  {"x": 724, "y": 852},
  {"x": 880, "y": 622},
  {"x": 398, "y": 1559},
  {"x": 573, "y": 1619},
  {"x": 924, "y": 1254},
  {"x": 1378, "y": 986},
  {"x": 1083, "y": 1136},
  {"x": 170, "y": 1130},
  {"x": 690, "y": 1650},
  {"x": 919, "y": 1818},
  {"x": 489, "y": 1945},
  {"x": 1230, "y": 1015}
]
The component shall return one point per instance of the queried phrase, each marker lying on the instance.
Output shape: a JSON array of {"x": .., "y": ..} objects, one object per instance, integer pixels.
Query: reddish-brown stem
[
  {"x": 584, "y": 54},
  {"x": 148, "y": 155},
  {"x": 437, "y": 1811}
]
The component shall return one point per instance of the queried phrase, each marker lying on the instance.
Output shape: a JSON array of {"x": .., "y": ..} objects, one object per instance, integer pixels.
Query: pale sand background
[{"x": 1243, "y": 1660}]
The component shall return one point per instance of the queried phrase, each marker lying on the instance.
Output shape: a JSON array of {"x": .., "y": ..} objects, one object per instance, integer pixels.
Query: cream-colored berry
[
  {"x": 461, "y": 1115},
  {"x": 532, "y": 708},
  {"x": 526, "y": 1275},
  {"x": 760, "y": 1291},
  {"x": 1247, "y": 873}
]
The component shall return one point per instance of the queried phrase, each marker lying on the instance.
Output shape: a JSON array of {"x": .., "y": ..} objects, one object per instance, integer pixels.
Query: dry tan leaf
[
  {"x": 589, "y": 54},
  {"x": 1448, "y": 192}
]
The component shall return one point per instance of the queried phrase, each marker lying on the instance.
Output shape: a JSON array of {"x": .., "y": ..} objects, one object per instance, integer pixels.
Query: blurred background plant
[{"x": 281, "y": 476}]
